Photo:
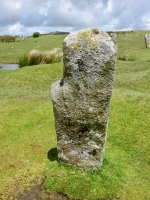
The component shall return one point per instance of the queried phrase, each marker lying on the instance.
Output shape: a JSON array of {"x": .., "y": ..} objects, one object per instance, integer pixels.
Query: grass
[
  {"x": 10, "y": 52},
  {"x": 28, "y": 139},
  {"x": 133, "y": 47},
  {"x": 36, "y": 57},
  {"x": 127, "y": 150},
  {"x": 26, "y": 124}
]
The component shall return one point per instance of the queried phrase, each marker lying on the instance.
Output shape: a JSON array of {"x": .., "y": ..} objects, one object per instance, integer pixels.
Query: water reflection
[{"x": 9, "y": 66}]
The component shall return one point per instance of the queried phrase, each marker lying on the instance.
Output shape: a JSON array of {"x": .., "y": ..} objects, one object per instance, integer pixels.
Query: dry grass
[{"x": 36, "y": 57}]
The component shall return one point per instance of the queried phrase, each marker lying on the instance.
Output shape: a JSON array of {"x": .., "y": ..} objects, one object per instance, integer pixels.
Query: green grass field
[
  {"x": 10, "y": 52},
  {"x": 28, "y": 139}
]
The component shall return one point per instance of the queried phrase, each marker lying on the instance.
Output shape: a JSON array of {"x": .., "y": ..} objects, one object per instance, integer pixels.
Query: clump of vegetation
[
  {"x": 35, "y": 57},
  {"x": 126, "y": 57},
  {"x": 36, "y": 34},
  {"x": 7, "y": 38},
  {"x": 123, "y": 57}
]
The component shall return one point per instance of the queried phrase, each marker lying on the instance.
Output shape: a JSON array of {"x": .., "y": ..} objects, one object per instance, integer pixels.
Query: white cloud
[{"x": 14, "y": 29}]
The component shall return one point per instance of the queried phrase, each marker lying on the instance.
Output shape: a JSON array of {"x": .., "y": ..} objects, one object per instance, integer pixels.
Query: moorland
[{"x": 28, "y": 142}]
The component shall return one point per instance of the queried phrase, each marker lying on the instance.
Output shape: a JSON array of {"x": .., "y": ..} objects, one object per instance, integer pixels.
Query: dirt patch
[{"x": 38, "y": 192}]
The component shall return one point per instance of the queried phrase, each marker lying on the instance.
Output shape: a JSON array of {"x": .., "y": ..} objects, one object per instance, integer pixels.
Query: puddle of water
[{"x": 9, "y": 66}]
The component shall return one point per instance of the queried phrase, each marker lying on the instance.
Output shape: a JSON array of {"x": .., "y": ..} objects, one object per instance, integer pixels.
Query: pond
[{"x": 9, "y": 66}]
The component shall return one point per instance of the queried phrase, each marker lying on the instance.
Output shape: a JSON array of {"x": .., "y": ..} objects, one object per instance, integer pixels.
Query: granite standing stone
[
  {"x": 81, "y": 99},
  {"x": 147, "y": 40}
]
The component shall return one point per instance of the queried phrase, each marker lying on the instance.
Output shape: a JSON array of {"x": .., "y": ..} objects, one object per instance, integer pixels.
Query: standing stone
[
  {"x": 81, "y": 99},
  {"x": 147, "y": 40}
]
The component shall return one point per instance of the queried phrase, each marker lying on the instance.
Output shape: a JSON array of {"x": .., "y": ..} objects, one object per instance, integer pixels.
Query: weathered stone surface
[
  {"x": 81, "y": 99},
  {"x": 147, "y": 40}
]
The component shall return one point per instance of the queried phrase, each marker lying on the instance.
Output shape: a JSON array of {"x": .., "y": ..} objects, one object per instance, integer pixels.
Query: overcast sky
[{"x": 23, "y": 17}]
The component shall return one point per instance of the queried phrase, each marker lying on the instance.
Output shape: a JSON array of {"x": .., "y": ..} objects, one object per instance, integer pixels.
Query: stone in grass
[
  {"x": 81, "y": 99},
  {"x": 147, "y": 40}
]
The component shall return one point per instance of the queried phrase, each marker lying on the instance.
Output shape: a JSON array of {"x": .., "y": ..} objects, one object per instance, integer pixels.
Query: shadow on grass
[{"x": 52, "y": 154}]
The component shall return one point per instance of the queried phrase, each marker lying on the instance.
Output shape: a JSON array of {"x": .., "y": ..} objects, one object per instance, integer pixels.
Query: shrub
[
  {"x": 7, "y": 38},
  {"x": 35, "y": 57},
  {"x": 36, "y": 34}
]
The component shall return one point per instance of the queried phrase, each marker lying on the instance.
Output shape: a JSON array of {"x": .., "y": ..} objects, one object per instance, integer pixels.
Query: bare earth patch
[{"x": 38, "y": 192}]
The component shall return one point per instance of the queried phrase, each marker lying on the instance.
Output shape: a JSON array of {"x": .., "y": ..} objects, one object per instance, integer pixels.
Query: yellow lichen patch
[
  {"x": 75, "y": 46},
  {"x": 86, "y": 34},
  {"x": 93, "y": 42}
]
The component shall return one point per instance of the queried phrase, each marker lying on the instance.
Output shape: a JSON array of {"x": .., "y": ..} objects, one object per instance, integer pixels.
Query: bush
[
  {"x": 35, "y": 57},
  {"x": 36, "y": 34},
  {"x": 7, "y": 38}
]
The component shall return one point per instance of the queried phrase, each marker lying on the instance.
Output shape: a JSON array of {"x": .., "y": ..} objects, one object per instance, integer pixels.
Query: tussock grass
[
  {"x": 51, "y": 57},
  {"x": 126, "y": 57},
  {"x": 36, "y": 57}
]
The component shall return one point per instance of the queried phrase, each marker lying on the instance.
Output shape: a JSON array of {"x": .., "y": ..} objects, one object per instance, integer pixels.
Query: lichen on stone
[
  {"x": 87, "y": 35},
  {"x": 76, "y": 47}
]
